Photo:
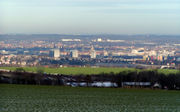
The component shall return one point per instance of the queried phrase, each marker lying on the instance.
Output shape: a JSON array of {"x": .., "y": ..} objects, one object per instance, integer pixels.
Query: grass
[
  {"x": 85, "y": 70},
  {"x": 74, "y": 70},
  {"x": 168, "y": 71},
  {"x": 30, "y": 98}
]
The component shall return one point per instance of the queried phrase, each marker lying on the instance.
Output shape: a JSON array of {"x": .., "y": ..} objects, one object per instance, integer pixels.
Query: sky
[{"x": 90, "y": 16}]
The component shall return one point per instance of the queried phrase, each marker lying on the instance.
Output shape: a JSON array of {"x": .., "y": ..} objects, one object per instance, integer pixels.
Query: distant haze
[{"x": 90, "y": 16}]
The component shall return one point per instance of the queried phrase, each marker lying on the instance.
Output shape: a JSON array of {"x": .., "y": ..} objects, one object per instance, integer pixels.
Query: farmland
[
  {"x": 28, "y": 98},
  {"x": 85, "y": 70}
]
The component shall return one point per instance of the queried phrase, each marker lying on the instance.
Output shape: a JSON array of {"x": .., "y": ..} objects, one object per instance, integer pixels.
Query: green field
[
  {"x": 31, "y": 98},
  {"x": 84, "y": 70},
  {"x": 74, "y": 70}
]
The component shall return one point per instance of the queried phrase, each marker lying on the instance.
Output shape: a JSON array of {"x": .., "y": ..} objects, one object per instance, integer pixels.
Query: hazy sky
[{"x": 90, "y": 16}]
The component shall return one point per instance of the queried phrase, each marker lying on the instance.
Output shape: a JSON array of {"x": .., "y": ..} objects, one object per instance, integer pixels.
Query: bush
[
  {"x": 40, "y": 70},
  {"x": 19, "y": 70}
]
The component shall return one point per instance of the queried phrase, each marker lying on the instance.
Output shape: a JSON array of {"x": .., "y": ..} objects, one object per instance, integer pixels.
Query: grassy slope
[
  {"x": 75, "y": 70},
  {"x": 21, "y": 98},
  {"x": 86, "y": 70}
]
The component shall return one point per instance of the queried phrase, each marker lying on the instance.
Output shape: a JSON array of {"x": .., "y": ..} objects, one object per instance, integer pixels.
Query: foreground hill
[{"x": 29, "y": 98}]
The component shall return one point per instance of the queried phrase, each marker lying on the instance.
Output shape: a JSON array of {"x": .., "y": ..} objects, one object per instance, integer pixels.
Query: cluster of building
[
  {"x": 56, "y": 53},
  {"x": 19, "y": 60},
  {"x": 30, "y": 53}
]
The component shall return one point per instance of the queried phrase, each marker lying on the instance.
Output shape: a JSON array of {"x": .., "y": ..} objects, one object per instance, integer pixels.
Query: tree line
[{"x": 170, "y": 81}]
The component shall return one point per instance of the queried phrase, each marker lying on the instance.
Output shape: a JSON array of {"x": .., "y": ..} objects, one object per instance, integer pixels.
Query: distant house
[
  {"x": 104, "y": 84},
  {"x": 93, "y": 84},
  {"x": 136, "y": 84},
  {"x": 156, "y": 85}
]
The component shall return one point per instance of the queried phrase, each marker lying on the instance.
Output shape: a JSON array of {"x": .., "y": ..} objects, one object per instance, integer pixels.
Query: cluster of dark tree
[
  {"x": 30, "y": 78},
  {"x": 80, "y": 61},
  {"x": 62, "y": 61},
  {"x": 171, "y": 81}
]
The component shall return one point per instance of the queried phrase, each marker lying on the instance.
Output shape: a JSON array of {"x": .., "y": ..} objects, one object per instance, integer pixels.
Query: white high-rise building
[
  {"x": 105, "y": 53},
  {"x": 92, "y": 53},
  {"x": 56, "y": 53},
  {"x": 75, "y": 53}
]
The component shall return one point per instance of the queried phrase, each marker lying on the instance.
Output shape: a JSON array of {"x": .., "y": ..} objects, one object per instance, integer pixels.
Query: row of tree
[{"x": 170, "y": 81}]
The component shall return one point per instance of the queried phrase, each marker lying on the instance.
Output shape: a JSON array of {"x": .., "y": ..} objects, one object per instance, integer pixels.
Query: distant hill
[{"x": 52, "y": 37}]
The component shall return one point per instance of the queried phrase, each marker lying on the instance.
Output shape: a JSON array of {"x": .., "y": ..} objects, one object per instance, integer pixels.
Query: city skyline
[{"x": 90, "y": 17}]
